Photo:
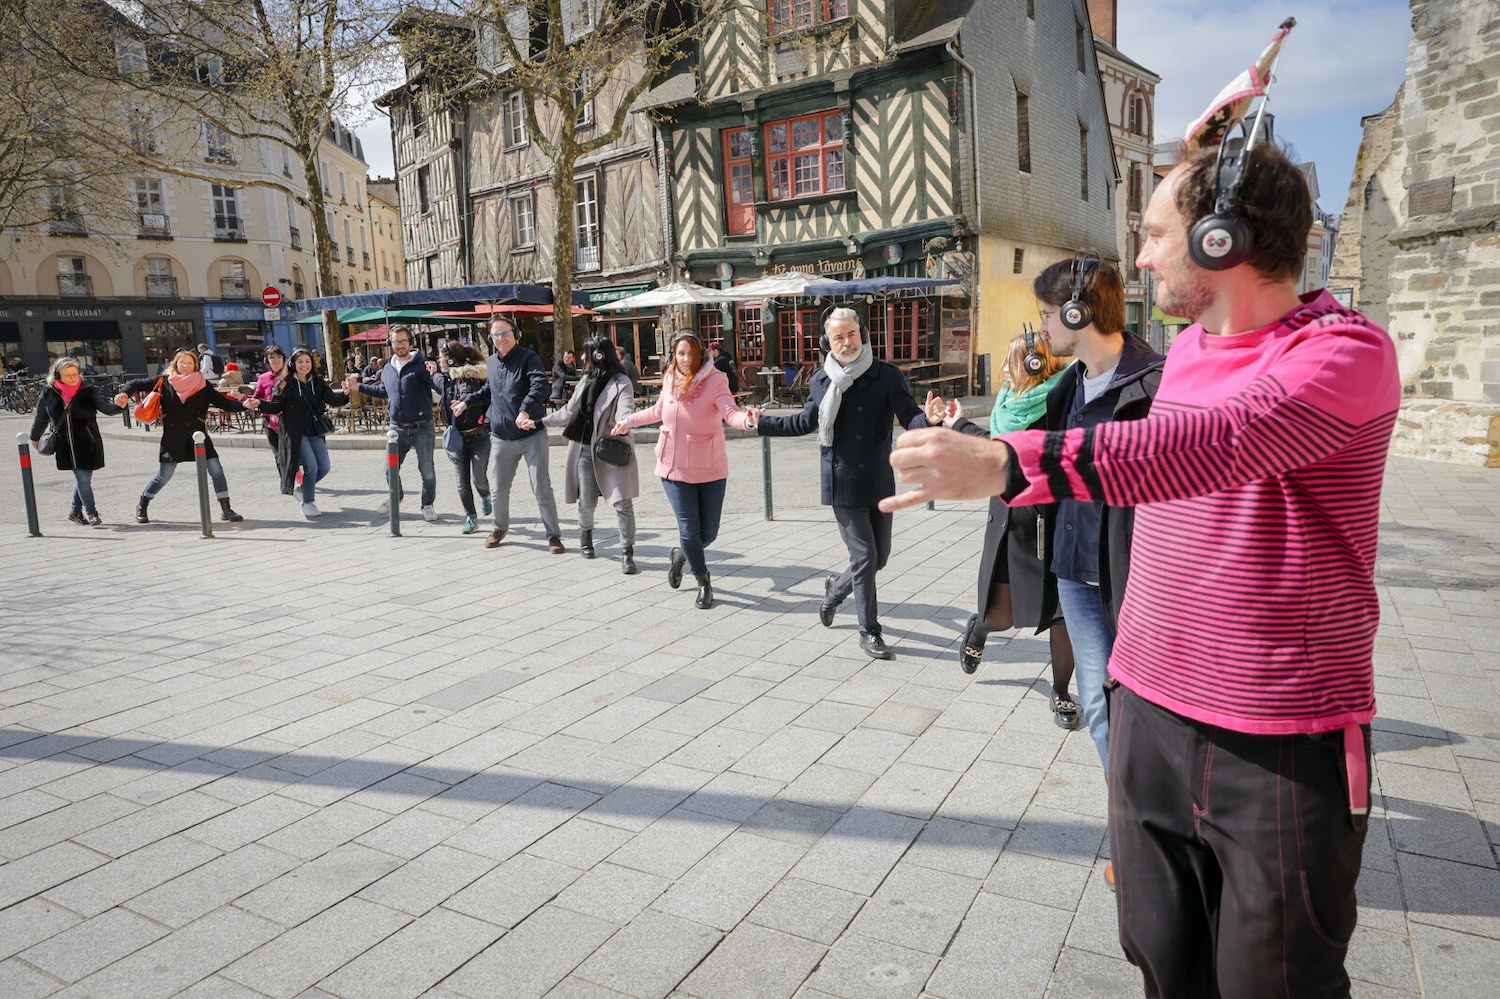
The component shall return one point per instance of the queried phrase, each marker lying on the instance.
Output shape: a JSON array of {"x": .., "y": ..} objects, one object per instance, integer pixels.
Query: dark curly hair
[{"x": 1273, "y": 198}]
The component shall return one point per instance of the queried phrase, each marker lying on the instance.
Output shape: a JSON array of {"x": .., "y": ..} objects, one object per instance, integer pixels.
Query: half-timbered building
[{"x": 871, "y": 138}]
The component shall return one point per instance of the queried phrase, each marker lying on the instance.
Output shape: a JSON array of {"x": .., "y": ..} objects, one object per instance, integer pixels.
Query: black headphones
[
  {"x": 1033, "y": 363},
  {"x": 1076, "y": 313},
  {"x": 597, "y": 347},
  {"x": 824, "y": 343},
  {"x": 1223, "y": 239}
]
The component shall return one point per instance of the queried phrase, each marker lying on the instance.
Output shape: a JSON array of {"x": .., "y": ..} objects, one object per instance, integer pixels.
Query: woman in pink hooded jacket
[{"x": 695, "y": 404}]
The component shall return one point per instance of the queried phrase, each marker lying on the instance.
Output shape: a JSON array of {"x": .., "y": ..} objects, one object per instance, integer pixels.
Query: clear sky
[{"x": 1345, "y": 59}]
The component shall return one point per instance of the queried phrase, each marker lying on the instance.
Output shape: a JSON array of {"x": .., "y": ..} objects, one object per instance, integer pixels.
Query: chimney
[{"x": 1102, "y": 17}]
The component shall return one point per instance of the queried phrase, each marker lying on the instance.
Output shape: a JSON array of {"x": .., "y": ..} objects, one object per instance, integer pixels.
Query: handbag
[
  {"x": 453, "y": 440},
  {"x": 47, "y": 443},
  {"x": 148, "y": 410},
  {"x": 323, "y": 425},
  {"x": 613, "y": 450}
]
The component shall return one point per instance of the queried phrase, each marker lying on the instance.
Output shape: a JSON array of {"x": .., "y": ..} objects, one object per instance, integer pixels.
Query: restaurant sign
[
  {"x": 843, "y": 266},
  {"x": 607, "y": 295}
]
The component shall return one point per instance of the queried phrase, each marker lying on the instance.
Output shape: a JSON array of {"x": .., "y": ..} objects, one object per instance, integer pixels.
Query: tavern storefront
[{"x": 123, "y": 336}]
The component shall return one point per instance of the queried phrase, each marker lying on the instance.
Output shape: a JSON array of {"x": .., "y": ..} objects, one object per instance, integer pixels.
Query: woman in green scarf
[{"x": 1015, "y": 588}]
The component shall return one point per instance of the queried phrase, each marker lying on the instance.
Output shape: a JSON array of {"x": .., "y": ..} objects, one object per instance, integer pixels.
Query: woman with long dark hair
[
  {"x": 302, "y": 400},
  {"x": 461, "y": 372},
  {"x": 186, "y": 398},
  {"x": 601, "y": 400},
  {"x": 1015, "y": 588},
  {"x": 694, "y": 405},
  {"x": 71, "y": 407}
]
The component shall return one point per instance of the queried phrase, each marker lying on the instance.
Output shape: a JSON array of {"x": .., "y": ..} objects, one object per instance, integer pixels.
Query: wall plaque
[{"x": 1430, "y": 197}]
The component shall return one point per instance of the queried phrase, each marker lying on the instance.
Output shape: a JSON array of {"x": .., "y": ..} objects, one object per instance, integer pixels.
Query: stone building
[{"x": 1420, "y": 249}]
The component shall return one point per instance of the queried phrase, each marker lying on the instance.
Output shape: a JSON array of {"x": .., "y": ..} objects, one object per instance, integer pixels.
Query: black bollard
[
  {"x": 28, "y": 486},
  {"x": 393, "y": 478},
  {"x": 200, "y": 459},
  {"x": 125, "y": 413},
  {"x": 765, "y": 473}
]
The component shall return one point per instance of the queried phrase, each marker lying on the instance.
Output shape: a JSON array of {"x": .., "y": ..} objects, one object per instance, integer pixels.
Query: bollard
[
  {"x": 200, "y": 459},
  {"x": 765, "y": 474},
  {"x": 393, "y": 478},
  {"x": 931, "y": 505},
  {"x": 28, "y": 486},
  {"x": 125, "y": 413}
]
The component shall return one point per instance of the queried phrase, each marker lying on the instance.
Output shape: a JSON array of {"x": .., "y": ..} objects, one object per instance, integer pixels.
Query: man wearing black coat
[
  {"x": 850, "y": 406},
  {"x": 564, "y": 374},
  {"x": 725, "y": 363}
]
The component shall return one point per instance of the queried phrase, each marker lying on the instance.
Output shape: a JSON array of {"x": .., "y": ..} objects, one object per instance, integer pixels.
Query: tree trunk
[
  {"x": 564, "y": 225},
  {"x": 323, "y": 250}
]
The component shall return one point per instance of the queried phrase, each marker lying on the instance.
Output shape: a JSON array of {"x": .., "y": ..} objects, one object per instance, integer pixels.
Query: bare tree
[
  {"x": 254, "y": 75},
  {"x": 560, "y": 54}
]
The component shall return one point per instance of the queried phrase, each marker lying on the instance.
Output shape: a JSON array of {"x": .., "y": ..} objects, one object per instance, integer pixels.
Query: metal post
[
  {"x": 200, "y": 460},
  {"x": 28, "y": 486},
  {"x": 393, "y": 478},
  {"x": 765, "y": 474},
  {"x": 125, "y": 413}
]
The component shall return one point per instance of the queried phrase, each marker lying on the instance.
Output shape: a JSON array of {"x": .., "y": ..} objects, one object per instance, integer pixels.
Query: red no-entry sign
[{"x": 270, "y": 297}]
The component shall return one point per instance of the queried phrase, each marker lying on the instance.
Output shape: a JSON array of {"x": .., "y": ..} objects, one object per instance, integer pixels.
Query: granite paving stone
[
  {"x": 650, "y": 956},
  {"x": 754, "y": 963},
  {"x": 302, "y": 956},
  {"x": 528, "y": 961}
]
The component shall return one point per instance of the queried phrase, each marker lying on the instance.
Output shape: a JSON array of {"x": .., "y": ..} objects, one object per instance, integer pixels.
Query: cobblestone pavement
[{"x": 309, "y": 759}]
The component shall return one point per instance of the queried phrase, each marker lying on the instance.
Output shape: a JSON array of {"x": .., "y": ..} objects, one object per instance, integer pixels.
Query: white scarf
[{"x": 840, "y": 377}]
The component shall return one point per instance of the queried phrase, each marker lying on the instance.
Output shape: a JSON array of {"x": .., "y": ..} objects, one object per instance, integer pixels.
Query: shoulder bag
[
  {"x": 148, "y": 410},
  {"x": 613, "y": 450},
  {"x": 453, "y": 440},
  {"x": 47, "y": 443}
]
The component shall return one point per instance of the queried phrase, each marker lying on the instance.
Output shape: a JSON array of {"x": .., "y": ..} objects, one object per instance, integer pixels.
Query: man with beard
[
  {"x": 850, "y": 406},
  {"x": 407, "y": 386},
  {"x": 1239, "y": 780}
]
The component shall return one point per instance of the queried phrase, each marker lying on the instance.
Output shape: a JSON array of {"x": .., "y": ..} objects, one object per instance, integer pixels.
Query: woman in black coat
[
  {"x": 1015, "y": 588},
  {"x": 186, "y": 398},
  {"x": 302, "y": 399},
  {"x": 72, "y": 409}
]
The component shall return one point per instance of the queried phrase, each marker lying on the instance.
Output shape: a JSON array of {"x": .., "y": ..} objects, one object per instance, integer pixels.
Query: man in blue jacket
[
  {"x": 407, "y": 386},
  {"x": 850, "y": 405},
  {"x": 516, "y": 384}
]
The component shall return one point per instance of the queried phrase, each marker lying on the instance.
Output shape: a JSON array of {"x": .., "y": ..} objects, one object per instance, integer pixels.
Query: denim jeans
[
  {"x": 83, "y": 490},
  {"x": 421, "y": 438},
  {"x": 472, "y": 465},
  {"x": 169, "y": 468},
  {"x": 315, "y": 465},
  {"x": 697, "y": 506},
  {"x": 1088, "y": 629},
  {"x": 588, "y": 498}
]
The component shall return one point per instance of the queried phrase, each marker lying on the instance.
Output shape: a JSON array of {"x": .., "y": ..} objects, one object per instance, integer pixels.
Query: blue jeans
[
  {"x": 698, "y": 506},
  {"x": 315, "y": 465},
  {"x": 168, "y": 468},
  {"x": 83, "y": 490},
  {"x": 421, "y": 438},
  {"x": 1088, "y": 629}
]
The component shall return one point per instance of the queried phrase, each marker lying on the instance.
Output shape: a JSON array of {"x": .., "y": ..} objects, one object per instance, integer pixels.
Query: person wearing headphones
[
  {"x": 601, "y": 400},
  {"x": 407, "y": 386},
  {"x": 515, "y": 386},
  {"x": 850, "y": 405},
  {"x": 1239, "y": 774}
]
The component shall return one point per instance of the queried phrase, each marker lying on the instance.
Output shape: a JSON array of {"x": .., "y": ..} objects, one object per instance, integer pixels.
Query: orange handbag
[{"x": 148, "y": 410}]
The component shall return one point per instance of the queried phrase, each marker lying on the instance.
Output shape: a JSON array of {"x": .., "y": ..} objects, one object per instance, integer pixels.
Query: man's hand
[
  {"x": 935, "y": 409},
  {"x": 121, "y": 399},
  {"x": 946, "y": 466},
  {"x": 458, "y": 406},
  {"x": 252, "y": 404},
  {"x": 524, "y": 421}
]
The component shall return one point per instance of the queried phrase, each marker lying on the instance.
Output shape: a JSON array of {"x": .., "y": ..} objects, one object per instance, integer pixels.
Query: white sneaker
[
  {"x": 429, "y": 514},
  {"x": 384, "y": 508},
  {"x": 311, "y": 510}
]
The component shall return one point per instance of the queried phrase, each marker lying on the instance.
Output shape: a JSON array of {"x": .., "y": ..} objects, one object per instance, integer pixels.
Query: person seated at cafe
[
  {"x": 232, "y": 380},
  {"x": 564, "y": 373},
  {"x": 725, "y": 363}
]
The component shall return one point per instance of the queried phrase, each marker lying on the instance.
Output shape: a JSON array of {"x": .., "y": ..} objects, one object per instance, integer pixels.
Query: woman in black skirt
[{"x": 1015, "y": 588}]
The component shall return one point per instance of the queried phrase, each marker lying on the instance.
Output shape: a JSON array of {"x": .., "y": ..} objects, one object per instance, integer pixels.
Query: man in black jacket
[
  {"x": 724, "y": 363},
  {"x": 564, "y": 374},
  {"x": 407, "y": 386},
  {"x": 516, "y": 383},
  {"x": 850, "y": 406}
]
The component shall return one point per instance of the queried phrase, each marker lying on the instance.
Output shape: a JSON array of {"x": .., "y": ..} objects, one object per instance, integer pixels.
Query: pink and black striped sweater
[{"x": 1251, "y": 602}]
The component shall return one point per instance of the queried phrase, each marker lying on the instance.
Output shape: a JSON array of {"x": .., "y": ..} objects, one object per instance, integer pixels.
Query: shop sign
[
  {"x": 78, "y": 313},
  {"x": 817, "y": 266},
  {"x": 166, "y": 313},
  {"x": 615, "y": 294}
]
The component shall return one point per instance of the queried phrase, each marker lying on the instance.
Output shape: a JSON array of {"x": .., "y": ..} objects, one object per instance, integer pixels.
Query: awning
[
  {"x": 369, "y": 315},
  {"x": 482, "y": 311},
  {"x": 676, "y": 293},
  {"x": 375, "y": 334},
  {"x": 876, "y": 285},
  {"x": 387, "y": 298},
  {"x": 788, "y": 285}
]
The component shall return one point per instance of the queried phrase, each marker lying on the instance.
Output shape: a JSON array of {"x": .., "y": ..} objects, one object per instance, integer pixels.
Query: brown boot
[{"x": 493, "y": 539}]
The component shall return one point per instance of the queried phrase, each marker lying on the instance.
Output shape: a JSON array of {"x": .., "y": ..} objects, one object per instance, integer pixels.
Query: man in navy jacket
[
  {"x": 407, "y": 386},
  {"x": 850, "y": 406},
  {"x": 516, "y": 384}
]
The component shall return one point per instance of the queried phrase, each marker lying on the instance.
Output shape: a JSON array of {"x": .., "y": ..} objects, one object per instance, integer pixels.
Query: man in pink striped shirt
[{"x": 1239, "y": 746}]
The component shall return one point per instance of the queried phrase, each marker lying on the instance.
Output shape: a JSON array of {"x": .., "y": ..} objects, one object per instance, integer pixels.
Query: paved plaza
[{"x": 305, "y": 758}]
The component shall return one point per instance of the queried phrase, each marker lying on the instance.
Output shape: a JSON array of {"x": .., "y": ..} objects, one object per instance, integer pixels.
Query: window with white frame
[
  {"x": 226, "y": 203},
  {"x": 148, "y": 196},
  {"x": 523, "y": 218},
  {"x": 586, "y": 223},
  {"x": 515, "y": 119}
]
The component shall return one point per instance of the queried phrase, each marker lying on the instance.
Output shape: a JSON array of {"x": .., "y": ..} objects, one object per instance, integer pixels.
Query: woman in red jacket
[{"x": 695, "y": 404}]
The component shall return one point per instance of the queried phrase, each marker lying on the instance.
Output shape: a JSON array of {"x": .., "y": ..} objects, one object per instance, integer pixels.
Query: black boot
[
  {"x": 705, "y": 591},
  {"x": 586, "y": 549},
  {"x": 140, "y": 510},
  {"x": 674, "y": 569},
  {"x": 627, "y": 561},
  {"x": 228, "y": 513}
]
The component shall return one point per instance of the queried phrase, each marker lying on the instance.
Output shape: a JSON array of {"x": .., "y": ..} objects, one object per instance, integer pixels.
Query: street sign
[
  {"x": 272, "y": 315},
  {"x": 270, "y": 297}
]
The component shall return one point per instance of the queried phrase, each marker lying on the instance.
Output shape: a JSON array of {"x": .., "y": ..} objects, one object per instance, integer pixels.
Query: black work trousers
[
  {"x": 1235, "y": 855},
  {"x": 867, "y": 534}
]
